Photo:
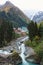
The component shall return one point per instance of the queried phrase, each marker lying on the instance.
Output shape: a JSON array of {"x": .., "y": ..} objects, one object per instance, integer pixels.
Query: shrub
[{"x": 39, "y": 50}]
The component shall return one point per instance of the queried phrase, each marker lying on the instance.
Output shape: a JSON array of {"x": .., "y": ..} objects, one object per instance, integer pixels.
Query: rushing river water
[
  {"x": 24, "y": 62},
  {"x": 22, "y": 48}
]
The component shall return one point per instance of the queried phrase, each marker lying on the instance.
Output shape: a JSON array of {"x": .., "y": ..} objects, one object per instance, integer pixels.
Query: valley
[{"x": 21, "y": 36}]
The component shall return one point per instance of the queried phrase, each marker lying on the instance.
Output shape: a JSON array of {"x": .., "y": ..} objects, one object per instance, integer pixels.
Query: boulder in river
[
  {"x": 33, "y": 59},
  {"x": 12, "y": 59},
  {"x": 15, "y": 58},
  {"x": 29, "y": 51},
  {"x": 31, "y": 56}
]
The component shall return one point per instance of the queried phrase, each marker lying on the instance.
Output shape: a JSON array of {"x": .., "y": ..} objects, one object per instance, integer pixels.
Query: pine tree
[
  {"x": 6, "y": 30},
  {"x": 9, "y": 31},
  {"x": 41, "y": 30},
  {"x": 36, "y": 29},
  {"x": 1, "y": 36},
  {"x": 31, "y": 28}
]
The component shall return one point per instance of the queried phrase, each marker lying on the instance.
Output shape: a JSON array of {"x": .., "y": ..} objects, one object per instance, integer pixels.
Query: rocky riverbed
[
  {"x": 14, "y": 45},
  {"x": 10, "y": 60},
  {"x": 6, "y": 59}
]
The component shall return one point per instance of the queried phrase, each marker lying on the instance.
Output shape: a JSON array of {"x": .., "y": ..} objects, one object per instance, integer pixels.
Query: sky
[{"x": 26, "y": 4}]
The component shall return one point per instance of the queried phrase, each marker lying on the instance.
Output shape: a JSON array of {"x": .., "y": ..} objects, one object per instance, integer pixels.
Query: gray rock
[
  {"x": 31, "y": 56},
  {"x": 29, "y": 51}
]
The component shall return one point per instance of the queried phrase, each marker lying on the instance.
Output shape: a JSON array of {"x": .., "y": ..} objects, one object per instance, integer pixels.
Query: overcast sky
[{"x": 26, "y": 4}]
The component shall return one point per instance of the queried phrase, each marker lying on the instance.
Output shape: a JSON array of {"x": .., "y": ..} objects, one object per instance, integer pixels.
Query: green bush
[
  {"x": 31, "y": 44},
  {"x": 28, "y": 43},
  {"x": 39, "y": 49},
  {"x": 17, "y": 35}
]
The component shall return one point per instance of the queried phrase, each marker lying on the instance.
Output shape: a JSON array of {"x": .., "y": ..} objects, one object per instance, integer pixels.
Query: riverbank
[
  {"x": 12, "y": 45},
  {"x": 38, "y": 48},
  {"x": 6, "y": 52}
]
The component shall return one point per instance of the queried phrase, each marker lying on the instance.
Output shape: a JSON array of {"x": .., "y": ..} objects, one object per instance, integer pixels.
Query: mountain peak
[
  {"x": 8, "y": 3},
  {"x": 6, "y": 6},
  {"x": 38, "y": 17}
]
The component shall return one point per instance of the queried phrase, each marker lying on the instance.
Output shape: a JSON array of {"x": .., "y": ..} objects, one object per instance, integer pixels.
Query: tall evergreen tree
[
  {"x": 31, "y": 28},
  {"x": 6, "y": 30},
  {"x": 9, "y": 31},
  {"x": 36, "y": 29},
  {"x": 1, "y": 36},
  {"x": 41, "y": 30}
]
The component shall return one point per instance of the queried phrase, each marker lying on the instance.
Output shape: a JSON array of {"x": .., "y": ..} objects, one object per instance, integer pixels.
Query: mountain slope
[
  {"x": 38, "y": 17},
  {"x": 13, "y": 14}
]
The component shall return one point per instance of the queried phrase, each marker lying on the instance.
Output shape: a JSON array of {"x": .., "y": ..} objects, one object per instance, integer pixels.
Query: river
[
  {"x": 22, "y": 48},
  {"x": 24, "y": 62}
]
